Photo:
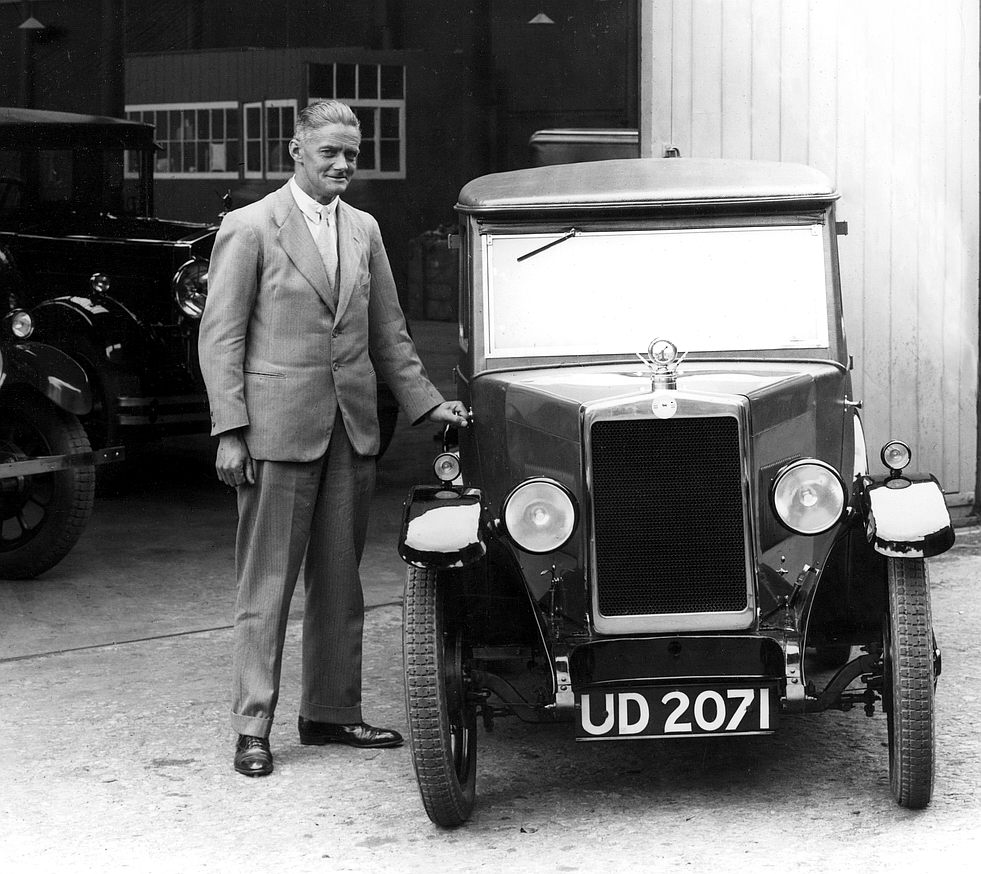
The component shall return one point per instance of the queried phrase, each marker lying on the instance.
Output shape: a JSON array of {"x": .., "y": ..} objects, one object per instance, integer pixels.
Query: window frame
[
  {"x": 262, "y": 141},
  {"x": 375, "y": 105},
  {"x": 186, "y": 107}
]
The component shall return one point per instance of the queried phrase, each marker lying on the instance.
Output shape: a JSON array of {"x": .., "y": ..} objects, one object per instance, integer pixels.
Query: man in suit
[{"x": 300, "y": 293}]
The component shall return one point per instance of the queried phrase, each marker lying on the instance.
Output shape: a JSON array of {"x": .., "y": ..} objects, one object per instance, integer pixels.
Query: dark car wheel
[
  {"x": 909, "y": 683},
  {"x": 442, "y": 716},
  {"x": 41, "y": 516}
]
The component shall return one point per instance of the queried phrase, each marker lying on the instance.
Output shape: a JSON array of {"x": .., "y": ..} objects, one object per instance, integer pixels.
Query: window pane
[
  {"x": 253, "y": 122},
  {"x": 392, "y": 83},
  {"x": 272, "y": 122},
  {"x": 390, "y": 123},
  {"x": 367, "y": 81},
  {"x": 253, "y": 160},
  {"x": 218, "y": 124},
  {"x": 389, "y": 156},
  {"x": 321, "y": 80},
  {"x": 201, "y": 162},
  {"x": 346, "y": 83},
  {"x": 367, "y": 118},
  {"x": 231, "y": 124},
  {"x": 172, "y": 122},
  {"x": 188, "y": 129},
  {"x": 366, "y": 160},
  {"x": 204, "y": 124}
]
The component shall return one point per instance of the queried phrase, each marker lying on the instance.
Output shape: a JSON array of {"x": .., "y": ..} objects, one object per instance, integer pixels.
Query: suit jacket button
[{"x": 337, "y": 366}]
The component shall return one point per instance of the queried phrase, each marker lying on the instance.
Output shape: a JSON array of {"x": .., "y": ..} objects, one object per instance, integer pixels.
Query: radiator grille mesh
[{"x": 668, "y": 516}]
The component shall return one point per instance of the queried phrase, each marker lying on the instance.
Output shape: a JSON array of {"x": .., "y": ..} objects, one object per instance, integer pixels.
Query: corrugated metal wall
[{"x": 882, "y": 95}]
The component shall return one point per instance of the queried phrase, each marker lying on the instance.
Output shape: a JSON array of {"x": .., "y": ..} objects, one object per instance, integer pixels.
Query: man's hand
[
  {"x": 234, "y": 464},
  {"x": 450, "y": 413}
]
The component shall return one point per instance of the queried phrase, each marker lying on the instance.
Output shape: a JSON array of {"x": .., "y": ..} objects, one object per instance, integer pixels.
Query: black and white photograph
[{"x": 490, "y": 436}]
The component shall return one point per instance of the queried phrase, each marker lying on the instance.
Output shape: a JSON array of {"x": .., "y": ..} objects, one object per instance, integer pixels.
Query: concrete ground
[{"x": 117, "y": 751}]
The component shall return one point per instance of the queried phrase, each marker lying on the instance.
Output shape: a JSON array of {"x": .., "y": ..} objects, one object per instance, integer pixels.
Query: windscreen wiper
[{"x": 572, "y": 232}]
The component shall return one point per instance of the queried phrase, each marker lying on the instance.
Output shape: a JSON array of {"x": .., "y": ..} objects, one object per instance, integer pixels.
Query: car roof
[
  {"x": 645, "y": 182},
  {"x": 49, "y": 128}
]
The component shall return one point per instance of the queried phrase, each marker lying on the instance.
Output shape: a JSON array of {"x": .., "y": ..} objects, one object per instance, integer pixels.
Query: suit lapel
[
  {"x": 294, "y": 237},
  {"x": 349, "y": 243}
]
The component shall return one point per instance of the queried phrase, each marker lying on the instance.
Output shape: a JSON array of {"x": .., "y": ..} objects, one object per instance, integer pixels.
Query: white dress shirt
[{"x": 315, "y": 215}]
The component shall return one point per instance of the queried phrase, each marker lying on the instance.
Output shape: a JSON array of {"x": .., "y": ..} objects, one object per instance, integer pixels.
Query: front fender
[
  {"x": 52, "y": 373},
  {"x": 441, "y": 528},
  {"x": 104, "y": 327},
  {"x": 906, "y": 516}
]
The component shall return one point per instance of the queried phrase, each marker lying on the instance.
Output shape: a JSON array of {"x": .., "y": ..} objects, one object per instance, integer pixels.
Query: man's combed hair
[{"x": 321, "y": 113}]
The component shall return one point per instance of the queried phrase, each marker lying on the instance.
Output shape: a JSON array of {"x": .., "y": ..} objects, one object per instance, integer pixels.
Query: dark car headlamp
[
  {"x": 190, "y": 285},
  {"x": 808, "y": 496},
  {"x": 539, "y": 515}
]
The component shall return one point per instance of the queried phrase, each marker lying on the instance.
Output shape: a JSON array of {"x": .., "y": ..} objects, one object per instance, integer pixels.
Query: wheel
[
  {"x": 442, "y": 718},
  {"x": 908, "y": 683},
  {"x": 41, "y": 516}
]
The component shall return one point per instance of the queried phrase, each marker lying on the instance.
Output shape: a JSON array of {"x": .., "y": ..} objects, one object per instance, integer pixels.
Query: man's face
[{"x": 325, "y": 160}]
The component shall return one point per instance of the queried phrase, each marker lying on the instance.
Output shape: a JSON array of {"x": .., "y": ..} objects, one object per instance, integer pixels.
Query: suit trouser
[{"x": 319, "y": 508}]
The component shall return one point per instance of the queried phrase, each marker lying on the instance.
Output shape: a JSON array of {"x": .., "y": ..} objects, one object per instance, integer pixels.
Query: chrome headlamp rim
[
  {"x": 191, "y": 303},
  {"x": 796, "y": 465},
  {"x": 563, "y": 492},
  {"x": 446, "y": 466},
  {"x": 906, "y": 454},
  {"x": 21, "y": 324}
]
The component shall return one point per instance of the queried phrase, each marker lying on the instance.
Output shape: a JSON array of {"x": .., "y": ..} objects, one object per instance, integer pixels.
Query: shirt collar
[{"x": 308, "y": 206}]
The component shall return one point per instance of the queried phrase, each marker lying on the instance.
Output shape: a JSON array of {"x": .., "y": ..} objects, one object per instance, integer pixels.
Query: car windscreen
[{"x": 581, "y": 292}]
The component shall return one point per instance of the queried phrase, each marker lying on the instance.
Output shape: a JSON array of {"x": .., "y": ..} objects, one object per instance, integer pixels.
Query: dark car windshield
[{"x": 86, "y": 179}]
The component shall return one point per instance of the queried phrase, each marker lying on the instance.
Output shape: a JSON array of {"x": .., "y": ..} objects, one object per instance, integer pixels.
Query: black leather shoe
[
  {"x": 357, "y": 734},
  {"x": 253, "y": 756}
]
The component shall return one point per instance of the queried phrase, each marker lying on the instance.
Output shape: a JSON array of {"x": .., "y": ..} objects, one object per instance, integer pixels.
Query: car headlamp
[
  {"x": 808, "y": 496},
  {"x": 21, "y": 324},
  {"x": 896, "y": 455},
  {"x": 447, "y": 467},
  {"x": 190, "y": 285},
  {"x": 539, "y": 515},
  {"x": 99, "y": 283}
]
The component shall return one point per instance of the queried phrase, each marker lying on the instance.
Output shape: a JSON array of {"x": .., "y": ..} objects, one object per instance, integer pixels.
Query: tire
[
  {"x": 41, "y": 516},
  {"x": 908, "y": 685},
  {"x": 442, "y": 718}
]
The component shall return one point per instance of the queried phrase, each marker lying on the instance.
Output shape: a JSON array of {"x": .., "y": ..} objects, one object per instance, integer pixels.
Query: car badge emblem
[{"x": 662, "y": 360}]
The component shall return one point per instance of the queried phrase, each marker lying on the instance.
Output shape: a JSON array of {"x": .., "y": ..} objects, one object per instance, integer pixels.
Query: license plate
[{"x": 682, "y": 711}]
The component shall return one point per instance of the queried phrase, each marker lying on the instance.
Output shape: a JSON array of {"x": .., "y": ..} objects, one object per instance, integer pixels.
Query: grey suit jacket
[{"x": 281, "y": 350}]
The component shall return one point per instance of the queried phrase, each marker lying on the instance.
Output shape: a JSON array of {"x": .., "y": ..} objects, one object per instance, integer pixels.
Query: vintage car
[
  {"x": 117, "y": 289},
  {"x": 661, "y": 522},
  {"x": 47, "y": 468}
]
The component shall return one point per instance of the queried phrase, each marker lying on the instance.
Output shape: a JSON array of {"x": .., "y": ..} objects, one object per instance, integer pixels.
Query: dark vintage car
[
  {"x": 662, "y": 523},
  {"x": 117, "y": 289},
  {"x": 47, "y": 467}
]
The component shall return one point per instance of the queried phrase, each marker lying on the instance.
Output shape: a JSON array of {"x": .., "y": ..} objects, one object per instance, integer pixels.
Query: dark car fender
[
  {"x": 906, "y": 516},
  {"x": 441, "y": 528},
  {"x": 51, "y": 372},
  {"x": 108, "y": 330}
]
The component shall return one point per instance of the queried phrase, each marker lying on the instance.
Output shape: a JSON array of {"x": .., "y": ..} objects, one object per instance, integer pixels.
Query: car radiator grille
[{"x": 668, "y": 516}]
